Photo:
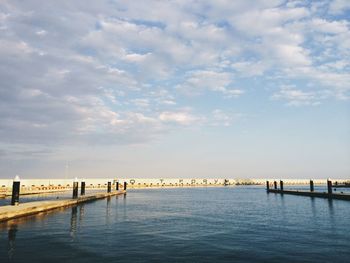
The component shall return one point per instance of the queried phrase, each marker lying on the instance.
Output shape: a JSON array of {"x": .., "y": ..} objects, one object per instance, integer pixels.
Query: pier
[
  {"x": 329, "y": 194},
  {"x": 14, "y": 211},
  {"x": 17, "y": 209}
]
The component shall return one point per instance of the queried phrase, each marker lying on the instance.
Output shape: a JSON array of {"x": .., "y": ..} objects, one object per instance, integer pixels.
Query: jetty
[
  {"x": 311, "y": 193},
  {"x": 16, "y": 209},
  {"x": 30, "y": 208}
]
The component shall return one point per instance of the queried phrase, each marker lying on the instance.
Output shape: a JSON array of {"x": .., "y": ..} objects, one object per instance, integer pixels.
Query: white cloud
[
  {"x": 41, "y": 32},
  {"x": 182, "y": 117},
  {"x": 332, "y": 27},
  {"x": 134, "y": 57},
  {"x": 109, "y": 68},
  {"x": 144, "y": 103},
  {"x": 250, "y": 68},
  {"x": 222, "y": 118},
  {"x": 201, "y": 81},
  {"x": 298, "y": 97},
  {"x": 339, "y": 6}
]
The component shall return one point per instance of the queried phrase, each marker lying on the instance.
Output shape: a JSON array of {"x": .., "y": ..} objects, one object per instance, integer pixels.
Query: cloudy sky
[{"x": 182, "y": 88}]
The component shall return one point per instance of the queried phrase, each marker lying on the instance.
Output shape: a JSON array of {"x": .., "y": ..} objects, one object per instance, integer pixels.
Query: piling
[
  {"x": 125, "y": 186},
  {"x": 117, "y": 186},
  {"x": 82, "y": 189},
  {"x": 311, "y": 185},
  {"x": 75, "y": 188},
  {"x": 281, "y": 185},
  {"x": 329, "y": 186},
  {"x": 109, "y": 187},
  {"x": 15, "y": 191},
  {"x": 275, "y": 185},
  {"x": 267, "y": 185}
]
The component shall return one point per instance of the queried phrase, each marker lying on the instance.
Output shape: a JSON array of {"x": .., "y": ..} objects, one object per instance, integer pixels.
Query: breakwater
[{"x": 30, "y": 186}]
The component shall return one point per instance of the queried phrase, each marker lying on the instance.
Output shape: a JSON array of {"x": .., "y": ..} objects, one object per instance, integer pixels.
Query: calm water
[{"x": 232, "y": 224}]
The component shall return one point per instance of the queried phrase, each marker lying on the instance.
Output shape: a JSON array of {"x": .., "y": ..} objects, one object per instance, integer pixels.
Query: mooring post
[
  {"x": 82, "y": 189},
  {"x": 267, "y": 186},
  {"x": 125, "y": 186},
  {"x": 311, "y": 185},
  {"x": 329, "y": 186},
  {"x": 281, "y": 185},
  {"x": 15, "y": 191},
  {"x": 109, "y": 186},
  {"x": 275, "y": 185},
  {"x": 75, "y": 188},
  {"x": 117, "y": 186}
]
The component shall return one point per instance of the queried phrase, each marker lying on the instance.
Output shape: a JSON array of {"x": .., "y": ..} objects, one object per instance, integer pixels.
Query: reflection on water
[
  {"x": 243, "y": 224},
  {"x": 73, "y": 222},
  {"x": 313, "y": 206},
  {"x": 11, "y": 240},
  {"x": 108, "y": 210},
  {"x": 81, "y": 212}
]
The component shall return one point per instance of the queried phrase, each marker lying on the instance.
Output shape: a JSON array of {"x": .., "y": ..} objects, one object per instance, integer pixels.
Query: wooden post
[
  {"x": 281, "y": 185},
  {"x": 329, "y": 186},
  {"x": 311, "y": 185},
  {"x": 109, "y": 187},
  {"x": 125, "y": 186},
  {"x": 75, "y": 188},
  {"x": 267, "y": 186},
  {"x": 82, "y": 189},
  {"x": 275, "y": 185},
  {"x": 15, "y": 191},
  {"x": 117, "y": 186}
]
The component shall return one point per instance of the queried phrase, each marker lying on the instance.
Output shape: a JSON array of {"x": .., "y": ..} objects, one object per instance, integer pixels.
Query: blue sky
[{"x": 175, "y": 89}]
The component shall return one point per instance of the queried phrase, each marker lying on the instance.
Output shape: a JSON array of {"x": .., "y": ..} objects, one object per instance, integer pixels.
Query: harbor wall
[{"x": 153, "y": 182}]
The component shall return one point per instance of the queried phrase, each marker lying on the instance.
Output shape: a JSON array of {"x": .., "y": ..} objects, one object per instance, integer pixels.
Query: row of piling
[
  {"x": 16, "y": 189},
  {"x": 329, "y": 194},
  {"x": 312, "y": 188}
]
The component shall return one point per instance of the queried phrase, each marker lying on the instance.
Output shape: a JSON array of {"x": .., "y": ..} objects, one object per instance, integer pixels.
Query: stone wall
[{"x": 47, "y": 184}]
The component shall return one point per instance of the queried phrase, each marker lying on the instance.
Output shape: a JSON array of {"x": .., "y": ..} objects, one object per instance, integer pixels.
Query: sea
[{"x": 200, "y": 224}]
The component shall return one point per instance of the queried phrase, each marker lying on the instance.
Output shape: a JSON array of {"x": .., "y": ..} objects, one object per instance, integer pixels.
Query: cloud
[
  {"x": 182, "y": 117},
  {"x": 221, "y": 118},
  {"x": 338, "y": 6},
  {"x": 122, "y": 71},
  {"x": 298, "y": 97},
  {"x": 200, "y": 81}
]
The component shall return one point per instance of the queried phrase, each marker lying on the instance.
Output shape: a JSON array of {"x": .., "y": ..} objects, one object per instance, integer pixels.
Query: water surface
[{"x": 226, "y": 224}]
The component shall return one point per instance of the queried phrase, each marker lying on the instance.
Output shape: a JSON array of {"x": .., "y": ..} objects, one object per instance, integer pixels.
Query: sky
[{"x": 175, "y": 89}]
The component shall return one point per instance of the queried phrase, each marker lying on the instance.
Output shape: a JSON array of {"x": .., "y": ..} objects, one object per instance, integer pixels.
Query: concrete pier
[
  {"x": 312, "y": 194},
  {"x": 10, "y": 212}
]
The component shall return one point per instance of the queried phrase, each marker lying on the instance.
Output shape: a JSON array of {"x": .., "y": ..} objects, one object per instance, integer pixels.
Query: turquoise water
[{"x": 228, "y": 224}]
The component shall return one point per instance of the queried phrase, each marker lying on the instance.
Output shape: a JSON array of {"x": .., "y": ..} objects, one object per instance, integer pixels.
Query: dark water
[{"x": 232, "y": 224}]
